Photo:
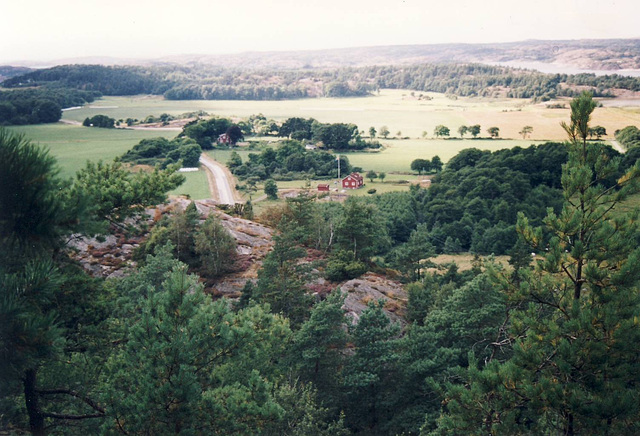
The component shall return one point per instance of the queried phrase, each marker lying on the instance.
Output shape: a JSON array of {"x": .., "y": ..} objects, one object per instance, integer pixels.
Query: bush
[
  {"x": 102, "y": 121},
  {"x": 341, "y": 266},
  {"x": 372, "y": 191}
]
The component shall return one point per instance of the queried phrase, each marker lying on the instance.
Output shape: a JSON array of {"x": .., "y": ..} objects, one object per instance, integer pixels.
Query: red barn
[
  {"x": 323, "y": 187},
  {"x": 353, "y": 181}
]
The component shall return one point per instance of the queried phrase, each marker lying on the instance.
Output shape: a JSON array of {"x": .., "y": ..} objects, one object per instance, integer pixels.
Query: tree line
[{"x": 40, "y": 105}]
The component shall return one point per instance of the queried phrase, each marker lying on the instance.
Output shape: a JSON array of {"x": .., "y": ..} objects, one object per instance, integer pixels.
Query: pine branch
[{"x": 75, "y": 394}]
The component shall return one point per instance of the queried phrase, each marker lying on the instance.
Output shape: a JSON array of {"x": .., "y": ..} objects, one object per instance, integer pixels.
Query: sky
[{"x": 44, "y": 30}]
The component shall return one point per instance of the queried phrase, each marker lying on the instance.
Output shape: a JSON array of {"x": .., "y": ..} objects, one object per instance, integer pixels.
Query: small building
[
  {"x": 353, "y": 181},
  {"x": 323, "y": 187},
  {"x": 224, "y": 139}
]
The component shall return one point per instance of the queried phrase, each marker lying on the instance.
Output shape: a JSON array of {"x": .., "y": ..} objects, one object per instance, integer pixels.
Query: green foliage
[
  {"x": 628, "y": 137},
  {"x": 191, "y": 365},
  {"x": 369, "y": 374},
  {"x": 317, "y": 347},
  {"x": 206, "y": 132},
  {"x": 342, "y": 266},
  {"x": 36, "y": 208},
  {"x": 215, "y": 247},
  {"x": 421, "y": 165},
  {"x": 441, "y": 130},
  {"x": 384, "y": 132},
  {"x": 474, "y": 130},
  {"x": 371, "y": 175},
  {"x": 574, "y": 315},
  {"x": 281, "y": 281},
  {"x": 99, "y": 121},
  {"x": 494, "y": 132},
  {"x": 165, "y": 152},
  {"x": 338, "y": 136},
  {"x": 411, "y": 257},
  {"x": 475, "y": 199},
  {"x": 291, "y": 160},
  {"x": 360, "y": 231},
  {"x": 38, "y": 105},
  {"x": 526, "y": 131},
  {"x": 271, "y": 189},
  {"x": 303, "y": 414},
  {"x": 300, "y": 127},
  {"x": 436, "y": 163},
  {"x": 118, "y": 194}
]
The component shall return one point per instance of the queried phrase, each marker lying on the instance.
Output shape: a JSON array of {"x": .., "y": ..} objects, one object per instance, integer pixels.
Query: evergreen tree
[
  {"x": 318, "y": 347},
  {"x": 281, "y": 281},
  {"x": 369, "y": 374},
  {"x": 191, "y": 366},
  {"x": 215, "y": 246},
  {"x": 574, "y": 325}
]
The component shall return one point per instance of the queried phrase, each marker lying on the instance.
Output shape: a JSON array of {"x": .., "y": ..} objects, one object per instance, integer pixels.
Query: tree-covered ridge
[
  {"x": 105, "y": 80},
  {"x": 204, "y": 82}
]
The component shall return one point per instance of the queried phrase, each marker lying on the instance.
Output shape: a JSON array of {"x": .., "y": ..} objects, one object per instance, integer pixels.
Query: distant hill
[
  {"x": 562, "y": 56},
  {"x": 602, "y": 54},
  {"x": 7, "y": 72}
]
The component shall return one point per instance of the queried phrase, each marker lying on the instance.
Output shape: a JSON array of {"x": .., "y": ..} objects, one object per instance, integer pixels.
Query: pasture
[{"x": 399, "y": 110}]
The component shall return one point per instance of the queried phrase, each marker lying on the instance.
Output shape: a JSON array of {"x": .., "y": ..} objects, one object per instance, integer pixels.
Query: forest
[{"x": 545, "y": 345}]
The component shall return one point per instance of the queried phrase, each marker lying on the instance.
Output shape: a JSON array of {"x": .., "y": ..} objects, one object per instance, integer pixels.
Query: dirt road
[{"x": 220, "y": 177}]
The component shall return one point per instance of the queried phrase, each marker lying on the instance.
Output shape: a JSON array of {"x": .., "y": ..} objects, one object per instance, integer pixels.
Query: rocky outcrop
[
  {"x": 374, "y": 287},
  {"x": 112, "y": 257}
]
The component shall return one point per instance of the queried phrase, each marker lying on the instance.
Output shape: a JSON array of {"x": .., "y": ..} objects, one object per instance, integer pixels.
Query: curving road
[{"x": 225, "y": 193}]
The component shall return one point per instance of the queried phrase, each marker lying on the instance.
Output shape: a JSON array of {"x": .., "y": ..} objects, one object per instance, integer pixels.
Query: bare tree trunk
[{"x": 36, "y": 418}]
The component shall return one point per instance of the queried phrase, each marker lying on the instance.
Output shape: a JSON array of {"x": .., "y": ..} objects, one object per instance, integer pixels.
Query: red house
[
  {"x": 224, "y": 139},
  {"x": 323, "y": 187},
  {"x": 353, "y": 181}
]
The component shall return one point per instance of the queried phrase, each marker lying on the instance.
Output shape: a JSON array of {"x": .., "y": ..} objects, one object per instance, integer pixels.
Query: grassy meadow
[
  {"x": 73, "y": 145},
  {"x": 195, "y": 186},
  {"x": 399, "y": 110}
]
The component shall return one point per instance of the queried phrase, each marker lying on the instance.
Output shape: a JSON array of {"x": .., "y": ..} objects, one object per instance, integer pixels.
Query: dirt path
[
  {"x": 220, "y": 181},
  {"x": 617, "y": 146}
]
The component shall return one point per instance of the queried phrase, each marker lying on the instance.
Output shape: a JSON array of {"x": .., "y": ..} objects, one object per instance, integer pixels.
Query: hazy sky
[{"x": 53, "y": 29}]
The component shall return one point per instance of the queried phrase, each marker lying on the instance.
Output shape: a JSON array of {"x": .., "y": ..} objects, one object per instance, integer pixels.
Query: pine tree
[
  {"x": 574, "y": 327},
  {"x": 318, "y": 347},
  {"x": 192, "y": 366},
  {"x": 369, "y": 374}
]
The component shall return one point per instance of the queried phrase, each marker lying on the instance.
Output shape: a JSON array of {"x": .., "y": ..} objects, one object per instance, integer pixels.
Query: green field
[
  {"x": 195, "y": 186},
  {"x": 74, "y": 145}
]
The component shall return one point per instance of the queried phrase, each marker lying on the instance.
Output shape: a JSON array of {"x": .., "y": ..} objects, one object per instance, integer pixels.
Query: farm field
[
  {"x": 396, "y": 109},
  {"x": 73, "y": 146}
]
